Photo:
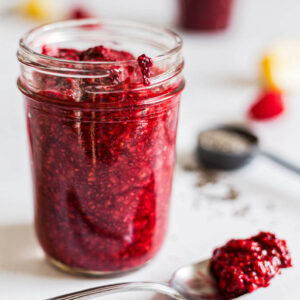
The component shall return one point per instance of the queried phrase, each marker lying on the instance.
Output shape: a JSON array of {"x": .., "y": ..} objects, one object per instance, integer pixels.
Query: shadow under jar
[{"x": 102, "y": 142}]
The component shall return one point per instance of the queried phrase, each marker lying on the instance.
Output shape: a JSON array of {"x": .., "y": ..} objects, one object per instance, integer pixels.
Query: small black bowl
[{"x": 228, "y": 161}]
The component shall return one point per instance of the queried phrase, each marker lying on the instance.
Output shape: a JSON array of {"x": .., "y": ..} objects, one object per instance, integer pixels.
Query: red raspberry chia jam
[
  {"x": 102, "y": 127},
  {"x": 206, "y": 14},
  {"x": 242, "y": 266}
]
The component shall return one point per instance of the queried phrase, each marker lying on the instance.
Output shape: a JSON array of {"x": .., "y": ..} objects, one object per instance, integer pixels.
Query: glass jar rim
[
  {"x": 29, "y": 56},
  {"x": 166, "y": 43}
]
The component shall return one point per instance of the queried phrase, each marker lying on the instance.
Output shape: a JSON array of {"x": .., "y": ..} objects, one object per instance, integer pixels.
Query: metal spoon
[
  {"x": 190, "y": 282},
  {"x": 234, "y": 160}
]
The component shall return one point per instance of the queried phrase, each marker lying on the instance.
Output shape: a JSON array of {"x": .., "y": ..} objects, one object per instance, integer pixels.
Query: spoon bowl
[{"x": 195, "y": 282}]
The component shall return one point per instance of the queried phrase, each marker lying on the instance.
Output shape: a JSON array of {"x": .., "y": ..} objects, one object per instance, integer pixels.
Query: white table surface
[{"x": 221, "y": 75}]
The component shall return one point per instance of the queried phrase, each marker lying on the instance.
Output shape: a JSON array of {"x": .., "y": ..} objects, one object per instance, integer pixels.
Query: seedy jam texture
[
  {"x": 206, "y": 14},
  {"x": 102, "y": 161},
  {"x": 242, "y": 266}
]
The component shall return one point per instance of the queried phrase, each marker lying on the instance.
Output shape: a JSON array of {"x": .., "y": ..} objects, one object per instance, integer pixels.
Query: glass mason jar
[
  {"x": 204, "y": 15},
  {"x": 102, "y": 150}
]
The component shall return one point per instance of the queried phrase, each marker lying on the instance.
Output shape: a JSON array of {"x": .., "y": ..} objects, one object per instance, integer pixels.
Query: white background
[{"x": 221, "y": 73}]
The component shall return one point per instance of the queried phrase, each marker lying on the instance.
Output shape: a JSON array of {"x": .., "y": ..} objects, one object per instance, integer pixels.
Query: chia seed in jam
[{"x": 242, "y": 266}]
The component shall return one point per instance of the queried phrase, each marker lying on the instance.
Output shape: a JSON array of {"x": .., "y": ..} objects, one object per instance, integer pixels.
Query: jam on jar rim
[
  {"x": 101, "y": 106},
  {"x": 87, "y": 22},
  {"x": 169, "y": 61}
]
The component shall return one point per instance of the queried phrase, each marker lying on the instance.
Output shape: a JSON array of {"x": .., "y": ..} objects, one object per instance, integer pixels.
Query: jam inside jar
[{"x": 102, "y": 122}]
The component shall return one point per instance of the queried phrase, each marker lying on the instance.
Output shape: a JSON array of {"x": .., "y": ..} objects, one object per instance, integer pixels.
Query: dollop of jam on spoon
[{"x": 244, "y": 265}]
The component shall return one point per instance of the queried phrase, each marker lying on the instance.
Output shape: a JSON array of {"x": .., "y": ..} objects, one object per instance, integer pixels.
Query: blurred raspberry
[
  {"x": 268, "y": 106},
  {"x": 80, "y": 12}
]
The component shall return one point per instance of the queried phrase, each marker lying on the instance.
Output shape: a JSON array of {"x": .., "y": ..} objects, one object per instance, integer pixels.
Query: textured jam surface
[
  {"x": 242, "y": 266},
  {"x": 102, "y": 176},
  {"x": 206, "y": 14}
]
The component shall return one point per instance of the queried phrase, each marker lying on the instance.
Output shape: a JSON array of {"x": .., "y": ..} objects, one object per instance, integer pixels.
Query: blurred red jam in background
[
  {"x": 80, "y": 12},
  {"x": 206, "y": 14}
]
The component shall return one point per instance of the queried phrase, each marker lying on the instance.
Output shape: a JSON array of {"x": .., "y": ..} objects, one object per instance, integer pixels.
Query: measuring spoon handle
[{"x": 282, "y": 162}]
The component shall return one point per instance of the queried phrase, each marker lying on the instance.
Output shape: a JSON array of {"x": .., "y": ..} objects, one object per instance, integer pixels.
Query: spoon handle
[
  {"x": 121, "y": 287},
  {"x": 282, "y": 162}
]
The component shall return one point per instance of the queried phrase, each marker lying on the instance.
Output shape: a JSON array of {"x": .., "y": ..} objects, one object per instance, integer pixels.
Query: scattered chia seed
[
  {"x": 232, "y": 194},
  {"x": 205, "y": 177},
  {"x": 242, "y": 212}
]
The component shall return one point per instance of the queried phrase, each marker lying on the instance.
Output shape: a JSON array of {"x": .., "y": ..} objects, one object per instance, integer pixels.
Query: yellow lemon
[
  {"x": 280, "y": 67},
  {"x": 40, "y": 10}
]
